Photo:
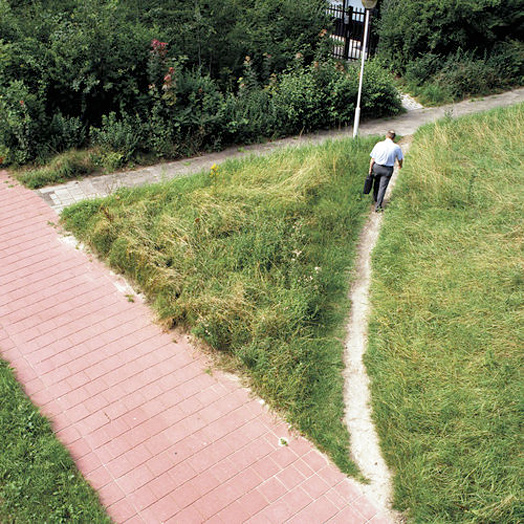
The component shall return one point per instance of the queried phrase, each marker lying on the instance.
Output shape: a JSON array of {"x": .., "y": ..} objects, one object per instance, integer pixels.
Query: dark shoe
[{"x": 379, "y": 210}]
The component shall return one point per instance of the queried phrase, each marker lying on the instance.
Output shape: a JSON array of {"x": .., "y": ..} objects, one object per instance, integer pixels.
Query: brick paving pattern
[{"x": 160, "y": 437}]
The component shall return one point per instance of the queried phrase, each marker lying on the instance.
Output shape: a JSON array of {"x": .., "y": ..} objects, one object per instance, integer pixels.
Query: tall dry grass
[{"x": 253, "y": 257}]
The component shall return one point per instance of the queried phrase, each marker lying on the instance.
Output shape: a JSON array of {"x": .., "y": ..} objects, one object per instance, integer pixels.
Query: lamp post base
[{"x": 356, "y": 122}]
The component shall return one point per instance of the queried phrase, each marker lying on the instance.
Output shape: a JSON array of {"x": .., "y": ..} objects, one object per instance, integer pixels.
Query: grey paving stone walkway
[{"x": 63, "y": 195}]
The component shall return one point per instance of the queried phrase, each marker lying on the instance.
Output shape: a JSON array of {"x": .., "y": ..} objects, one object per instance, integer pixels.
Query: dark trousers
[{"x": 380, "y": 183}]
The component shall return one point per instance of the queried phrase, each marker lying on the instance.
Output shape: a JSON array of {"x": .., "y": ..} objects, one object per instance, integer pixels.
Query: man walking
[{"x": 381, "y": 166}]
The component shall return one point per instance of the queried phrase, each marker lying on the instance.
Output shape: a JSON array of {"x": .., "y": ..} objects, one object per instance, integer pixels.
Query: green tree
[{"x": 409, "y": 29}]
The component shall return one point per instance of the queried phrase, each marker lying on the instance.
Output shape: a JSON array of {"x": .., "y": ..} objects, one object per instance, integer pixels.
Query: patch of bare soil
[{"x": 365, "y": 447}]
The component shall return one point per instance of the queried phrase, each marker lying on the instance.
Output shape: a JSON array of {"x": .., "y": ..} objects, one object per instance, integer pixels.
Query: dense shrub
[
  {"x": 218, "y": 35},
  {"x": 66, "y": 133},
  {"x": 410, "y": 29},
  {"x": 443, "y": 79},
  {"x": 249, "y": 116},
  {"x": 90, "y": 57},
  {"x": 323, "y": 95},
  {"x": 194, "y": 109},
  {"x": 300, "y": 100},
  {"x": 170, "y": 79},
  {"x": 380, "y": 97},
  {"x": 22, "y": 122},
  {"x": 447, "y": 50},
  {"x": 118, "y": 135}
]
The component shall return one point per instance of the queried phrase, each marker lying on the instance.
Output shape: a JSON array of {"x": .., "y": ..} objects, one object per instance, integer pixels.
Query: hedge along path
[
  {"x": 63, "y": 195},
  {"x": 365, "y": 446}
]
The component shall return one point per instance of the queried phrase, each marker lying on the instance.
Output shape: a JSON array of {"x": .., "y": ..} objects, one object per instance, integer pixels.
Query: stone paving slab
[
  {"x": 160, "y": 436},
  {"x": 60, "y": 196}
]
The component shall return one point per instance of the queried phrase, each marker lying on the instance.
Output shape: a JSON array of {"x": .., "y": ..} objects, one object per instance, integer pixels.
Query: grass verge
[
  {"x": 254, "y": 258},
  {"x": 446, "y": 334},
  {"x": 39, "y": 482},
  {"x": 66, "y": 166}
]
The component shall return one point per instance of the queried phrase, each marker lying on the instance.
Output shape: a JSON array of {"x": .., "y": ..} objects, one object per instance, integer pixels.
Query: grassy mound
[
  {"x": 447, "y": 335},
  {"x": 39, "y": 482},
  {"x": 253, "y": 257}
]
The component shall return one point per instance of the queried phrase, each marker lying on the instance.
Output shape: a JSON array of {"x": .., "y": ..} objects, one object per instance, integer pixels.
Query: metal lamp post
[{"x": 368, "y": 4}]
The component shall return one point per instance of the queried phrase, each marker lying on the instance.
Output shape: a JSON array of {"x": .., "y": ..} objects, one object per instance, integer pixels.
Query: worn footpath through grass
[
  {"x": 38, "y": 480},
  {"x": 253, "y": 257},
  {"x": 446, "y": 334}
]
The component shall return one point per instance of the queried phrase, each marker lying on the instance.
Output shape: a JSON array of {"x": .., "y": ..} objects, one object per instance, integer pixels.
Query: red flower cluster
[
  {"x": 159, "y": 48},
  {"x": 168, "y": 79}
]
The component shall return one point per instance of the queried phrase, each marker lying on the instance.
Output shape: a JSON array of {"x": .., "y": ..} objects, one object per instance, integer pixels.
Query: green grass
[
  {"x": 63, "y": 167},
  {"x": 447, "y": 331},
  {"x": 253, "y": 257},
  {"x": 39, "y": 482}
]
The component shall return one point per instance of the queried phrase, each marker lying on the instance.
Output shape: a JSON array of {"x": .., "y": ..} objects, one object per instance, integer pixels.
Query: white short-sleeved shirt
[{"x": 386, "y": 152}]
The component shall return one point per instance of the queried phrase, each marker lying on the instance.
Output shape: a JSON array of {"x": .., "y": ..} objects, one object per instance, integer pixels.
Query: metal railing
[{"x": 348, "y": 32}]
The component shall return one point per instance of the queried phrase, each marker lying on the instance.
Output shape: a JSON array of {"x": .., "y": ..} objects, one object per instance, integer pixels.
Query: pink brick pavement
[{"x": 157, "y": 436}]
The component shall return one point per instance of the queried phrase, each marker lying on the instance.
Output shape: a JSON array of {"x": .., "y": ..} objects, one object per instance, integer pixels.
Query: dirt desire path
[{"x": 365, "y": 447}]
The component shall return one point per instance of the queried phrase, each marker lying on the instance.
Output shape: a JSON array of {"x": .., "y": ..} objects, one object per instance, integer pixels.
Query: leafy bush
[
  {"x": 299, "y": 101},
  {"x": 323, "y": 95},
  {"x": 120, "y": 135},
  {"x": 436, "y": 79},
  {"x": 66, "y": 133},
  {"x": 379, "y": 96},
  {"x": 195, "y": 112},
  {"x": 218, "y": 35},
  {"x": 447, "y": 50},
  {"x": 161, "y": 135},
  {"x": 249, "y": 116},
  {"x": 23, "y": 117},
  {"x": 422, "y": 69},
  {"x": 410, "y": 29}
]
